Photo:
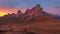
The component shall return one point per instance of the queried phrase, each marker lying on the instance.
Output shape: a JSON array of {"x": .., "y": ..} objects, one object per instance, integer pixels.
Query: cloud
[
  {"x": 53, "y": 10},
  {"x": 28, "y": 3},
  {"x": 9, "y": 3}
]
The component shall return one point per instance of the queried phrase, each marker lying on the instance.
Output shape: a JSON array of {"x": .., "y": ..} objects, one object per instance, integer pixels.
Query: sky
[{"x": 11, "y": 6}]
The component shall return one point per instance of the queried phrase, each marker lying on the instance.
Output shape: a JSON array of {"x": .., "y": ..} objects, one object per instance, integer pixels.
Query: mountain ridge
[{"x": 34, "y": 14}]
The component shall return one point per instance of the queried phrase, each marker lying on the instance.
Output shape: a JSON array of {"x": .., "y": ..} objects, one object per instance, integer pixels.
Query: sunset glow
[{"x": 4, "y": 11}]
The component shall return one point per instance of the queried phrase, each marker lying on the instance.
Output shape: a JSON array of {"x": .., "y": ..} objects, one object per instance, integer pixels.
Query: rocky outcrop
[
  {"x": 19, "y": 13},
  {"x": 28, "y": 12},
  {"x": 32, "y": 13},
  {"x": 37, "y": 10}
]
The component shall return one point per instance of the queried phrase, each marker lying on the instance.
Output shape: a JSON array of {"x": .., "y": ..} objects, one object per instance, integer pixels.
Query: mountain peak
[
  {"x": 28, "y": 12},
  {"x": 19, "y": 13},
  {"x": 38, "y": 5},
  {"x": 37, "y": 10}
]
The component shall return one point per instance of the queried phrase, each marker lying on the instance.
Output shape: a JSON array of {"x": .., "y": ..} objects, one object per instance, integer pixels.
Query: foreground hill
[{"x": 40, "y": 27}]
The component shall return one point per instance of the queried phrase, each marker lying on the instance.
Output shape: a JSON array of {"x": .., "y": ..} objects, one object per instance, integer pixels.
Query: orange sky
[{"x": 4, "y": 11}]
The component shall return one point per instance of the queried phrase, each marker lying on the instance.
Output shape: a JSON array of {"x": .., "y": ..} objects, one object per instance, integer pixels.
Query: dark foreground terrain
[{"x": 39, "y": 28}]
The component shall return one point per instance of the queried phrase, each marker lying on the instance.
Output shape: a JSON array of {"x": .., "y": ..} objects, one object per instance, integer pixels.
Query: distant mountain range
[{"x": 30, "y": 15}]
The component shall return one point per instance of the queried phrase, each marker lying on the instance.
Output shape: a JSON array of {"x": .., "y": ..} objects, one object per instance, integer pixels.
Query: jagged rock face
[
  {"x": 28, "y": 12},
  {"x": 19, "y": 13},
  {"x": 32, "y": 13},
  {"x": 37, "y": 10},
  {"x": 28, "y": 16}
]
